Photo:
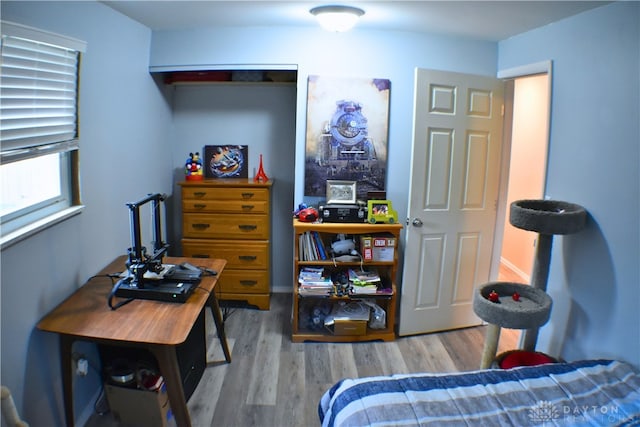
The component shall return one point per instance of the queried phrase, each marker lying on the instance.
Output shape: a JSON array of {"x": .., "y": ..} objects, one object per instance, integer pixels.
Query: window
[{"x": 39, "y": 174}]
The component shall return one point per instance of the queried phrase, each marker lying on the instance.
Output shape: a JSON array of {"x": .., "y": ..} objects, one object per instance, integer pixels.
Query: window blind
[{"x": 38, "y": 94}]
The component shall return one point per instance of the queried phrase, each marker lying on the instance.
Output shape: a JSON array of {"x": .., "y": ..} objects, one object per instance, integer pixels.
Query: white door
[{"x": 455, "y": 175}]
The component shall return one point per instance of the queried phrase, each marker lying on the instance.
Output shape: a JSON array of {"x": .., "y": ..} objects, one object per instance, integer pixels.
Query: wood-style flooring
[{"x": 274, "y": 382}]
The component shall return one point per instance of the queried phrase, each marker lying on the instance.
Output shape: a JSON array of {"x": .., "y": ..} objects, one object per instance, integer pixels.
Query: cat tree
[{"x": 519, "y": 306}]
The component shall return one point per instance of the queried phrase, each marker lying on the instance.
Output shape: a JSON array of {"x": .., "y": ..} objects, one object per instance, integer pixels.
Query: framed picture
[
  {"x": 346, "y": 133},
  {"x": 381, "y": 211},
  {"x": 226, "y": 161},
  {"x": 341, "y": 191}
]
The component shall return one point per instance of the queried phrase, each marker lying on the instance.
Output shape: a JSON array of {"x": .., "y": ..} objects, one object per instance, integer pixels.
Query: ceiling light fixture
[{"x": 337, "y": 18}]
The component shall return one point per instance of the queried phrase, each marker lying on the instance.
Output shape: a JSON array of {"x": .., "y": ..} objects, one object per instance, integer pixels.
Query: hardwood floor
[{"x": 274, "y": 382}]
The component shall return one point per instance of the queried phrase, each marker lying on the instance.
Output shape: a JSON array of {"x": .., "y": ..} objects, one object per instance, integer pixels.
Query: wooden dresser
[{"x": 231, "y": 219}]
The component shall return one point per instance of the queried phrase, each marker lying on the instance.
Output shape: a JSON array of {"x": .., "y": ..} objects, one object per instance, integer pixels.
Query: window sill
[{"x": 36, "y": 227}]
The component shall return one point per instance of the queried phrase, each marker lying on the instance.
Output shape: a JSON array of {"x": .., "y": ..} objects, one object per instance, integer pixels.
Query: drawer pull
[
  {"x": 200, "y": 193},
  {"x": 248, "y": 282},
  {"x": 247, "y": 207},
  {"x": 246, "y": 227},
  {"x": 199, "y": 206},
  {"x": 200, "y": 256},
  {"x": 247, "y": 195},
  {"x": 201, "y": 226},
  {"x": 247, "y": 257}
]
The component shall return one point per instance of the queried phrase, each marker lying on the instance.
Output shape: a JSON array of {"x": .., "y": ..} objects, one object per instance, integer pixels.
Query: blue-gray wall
[
  {"x": 373, "y": 54},
  {"x": 129, "y": 148},
  {"x": 594, "y": 160},
  {"x": 124, "y": 120},
  {"x": 259, "y": 116}
]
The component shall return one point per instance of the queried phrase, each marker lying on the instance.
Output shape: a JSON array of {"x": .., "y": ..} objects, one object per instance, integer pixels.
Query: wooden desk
[{"x": 153, "y": 325}]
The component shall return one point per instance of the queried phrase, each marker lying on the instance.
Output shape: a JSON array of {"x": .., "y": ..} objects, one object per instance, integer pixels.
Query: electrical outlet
[
  {"x": 76, "y": 359},
  {"x": 82, "y": 367}
]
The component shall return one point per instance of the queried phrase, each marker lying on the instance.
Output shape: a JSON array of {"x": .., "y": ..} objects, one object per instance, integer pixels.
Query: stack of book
[
  {"x": 364, "y": 282},
  {"x": 311, "y": 247},
  {"x": 312, "y": 281}
]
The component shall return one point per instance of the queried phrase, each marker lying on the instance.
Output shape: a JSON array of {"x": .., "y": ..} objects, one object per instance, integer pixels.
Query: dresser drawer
[
  {"x": 226, "y": 206},
  {"x": 223, "y": 226},
  {"x": 239, "y": 255},
  {"x": 243, "y": 281},
  {"x": 215, "y": 193}
]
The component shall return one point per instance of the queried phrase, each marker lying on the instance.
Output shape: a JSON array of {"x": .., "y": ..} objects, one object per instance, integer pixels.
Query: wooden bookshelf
[{"x": 308, "y": 309}]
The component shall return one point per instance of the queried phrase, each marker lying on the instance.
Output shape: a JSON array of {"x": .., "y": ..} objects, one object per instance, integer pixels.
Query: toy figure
[{"x": 193, "y": 167}]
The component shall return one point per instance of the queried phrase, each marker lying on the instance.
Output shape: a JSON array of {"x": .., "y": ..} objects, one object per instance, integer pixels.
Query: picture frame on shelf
[
  {"x": 343, "y": 192},
  {"x": 381, "y": 211},
  {"x": 226, "y": 161}
]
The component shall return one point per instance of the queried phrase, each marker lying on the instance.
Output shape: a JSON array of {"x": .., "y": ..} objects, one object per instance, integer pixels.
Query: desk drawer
[
  {"x": 244, "y": 281},
  {"x": 238, "y": 194},
  {"x": 225, "y": 226},
  {"x": 226, "y": 206},
  {"x": 239, "y": 255}
]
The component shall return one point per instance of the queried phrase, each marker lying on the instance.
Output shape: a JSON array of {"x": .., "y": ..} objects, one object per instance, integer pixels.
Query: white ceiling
[{"x": 485, "y": 20}]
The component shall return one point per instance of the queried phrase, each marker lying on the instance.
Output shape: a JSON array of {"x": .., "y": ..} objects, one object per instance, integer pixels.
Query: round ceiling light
[{"x": 337, "y": 18}]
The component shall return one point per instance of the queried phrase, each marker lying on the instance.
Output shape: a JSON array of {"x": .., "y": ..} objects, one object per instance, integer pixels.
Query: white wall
[
  {"x": 123, "y": 123},
  {"x": 593, "y": 161}
]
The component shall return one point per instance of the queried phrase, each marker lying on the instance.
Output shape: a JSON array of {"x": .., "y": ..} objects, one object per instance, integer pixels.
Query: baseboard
[
  {"x": 515, "y": 270},
  {"x": 88, "y": 411}
]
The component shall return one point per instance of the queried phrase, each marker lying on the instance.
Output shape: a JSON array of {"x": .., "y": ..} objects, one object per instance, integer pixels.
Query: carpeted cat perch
[{"x": 518, "y": 306}]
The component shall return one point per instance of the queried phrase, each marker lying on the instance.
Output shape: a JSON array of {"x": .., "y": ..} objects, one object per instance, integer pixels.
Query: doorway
[
  {"x": 527, "y": 113},
  {"x": 455, "y": 185},
  {"x": 443, "y": 263}
]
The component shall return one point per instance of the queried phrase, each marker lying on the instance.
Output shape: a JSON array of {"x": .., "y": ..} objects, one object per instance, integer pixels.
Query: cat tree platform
[
  {"x": 530, "y": 308},
  {"x": 547, "y": 216}
]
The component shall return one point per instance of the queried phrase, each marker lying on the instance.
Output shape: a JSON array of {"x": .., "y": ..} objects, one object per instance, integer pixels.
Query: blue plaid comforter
[{"x": 584, "y": 393}]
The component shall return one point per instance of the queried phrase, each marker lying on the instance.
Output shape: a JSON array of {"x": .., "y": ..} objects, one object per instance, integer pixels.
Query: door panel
[
  {"x": 439, "y": 168},
  {"x": 430, "y": 270},
  {"x": 454, "y": 188}
]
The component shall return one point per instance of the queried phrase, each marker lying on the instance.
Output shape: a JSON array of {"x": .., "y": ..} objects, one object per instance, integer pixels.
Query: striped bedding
[{"x": 583, "y": 393}]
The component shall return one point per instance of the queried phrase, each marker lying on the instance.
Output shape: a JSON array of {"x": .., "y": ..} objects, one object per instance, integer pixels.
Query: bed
[{"x": 588, "y": 393}]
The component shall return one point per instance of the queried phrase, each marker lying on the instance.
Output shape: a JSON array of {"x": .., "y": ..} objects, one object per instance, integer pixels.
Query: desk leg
[
  {"x": 66, "y": 343},
  {"x": 217, "y": 318},
  {"x": 168, "y": 364}
]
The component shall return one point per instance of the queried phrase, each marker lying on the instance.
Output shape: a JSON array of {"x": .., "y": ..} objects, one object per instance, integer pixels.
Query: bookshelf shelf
[
  {"x": 347, "y": 263},
  {"x": 312, "y": 310}
]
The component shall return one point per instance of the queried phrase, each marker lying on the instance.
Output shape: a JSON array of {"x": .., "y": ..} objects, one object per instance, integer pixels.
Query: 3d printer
[{"x": 146, "y": 277}]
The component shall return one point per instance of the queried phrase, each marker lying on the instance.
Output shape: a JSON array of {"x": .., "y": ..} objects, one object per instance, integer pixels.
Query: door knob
[{"x": 416, "y": 222}]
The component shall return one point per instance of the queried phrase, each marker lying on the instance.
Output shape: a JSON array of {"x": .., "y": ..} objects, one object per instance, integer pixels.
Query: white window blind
[
  {"x": 38, "y": 92},
  {"x": 39, "y": 168}
]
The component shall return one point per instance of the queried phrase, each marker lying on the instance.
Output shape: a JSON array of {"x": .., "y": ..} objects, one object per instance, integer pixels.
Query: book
[
  {"x": 313, "y": 250},
  {"x": 364, "y": 289},
  {"x": 321, "y": 250},
  {"x": 324, "y": 282},
  {"x": 313, "y": 277},
  {"x": 363, "y": 277}
]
